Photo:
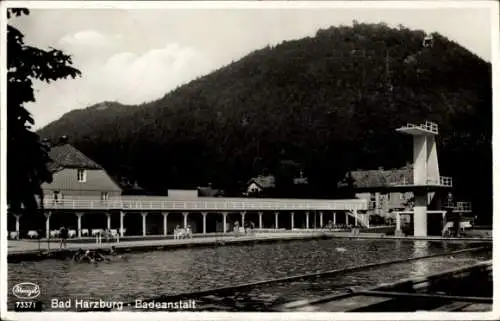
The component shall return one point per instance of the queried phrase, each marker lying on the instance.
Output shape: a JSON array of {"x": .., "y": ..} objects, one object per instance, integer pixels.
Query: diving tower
[{"x": 426, "y": 177}]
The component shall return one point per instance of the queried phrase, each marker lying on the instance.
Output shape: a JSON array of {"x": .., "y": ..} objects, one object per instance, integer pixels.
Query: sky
[{"x": 134, "y": 55}]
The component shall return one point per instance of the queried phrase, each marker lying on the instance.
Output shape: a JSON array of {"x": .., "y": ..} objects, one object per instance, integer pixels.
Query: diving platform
[
  {"x": 430, "y": 183},
  {"x": 426, "y": 174},
  {"x": 427, "y": 128}
]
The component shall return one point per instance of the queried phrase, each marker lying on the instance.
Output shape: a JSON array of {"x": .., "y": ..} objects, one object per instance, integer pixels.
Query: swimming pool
[{"x": 146, "y": 275}]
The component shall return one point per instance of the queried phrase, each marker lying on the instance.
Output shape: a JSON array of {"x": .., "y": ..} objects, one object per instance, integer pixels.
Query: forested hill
[{"x": 324, "y": 104}]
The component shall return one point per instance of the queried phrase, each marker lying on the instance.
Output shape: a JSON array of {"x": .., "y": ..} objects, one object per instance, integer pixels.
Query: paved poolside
[
  {"x": 27, "y": 246},
  {"x": 22, "y": 246}
]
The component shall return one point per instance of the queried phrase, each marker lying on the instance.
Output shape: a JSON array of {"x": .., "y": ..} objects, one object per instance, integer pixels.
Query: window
[
  {"x": 104, "y": 196},
  {"x": 81, "y": 175}
]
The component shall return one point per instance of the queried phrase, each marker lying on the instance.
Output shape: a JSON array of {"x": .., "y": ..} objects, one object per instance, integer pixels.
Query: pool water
[{"x": 150, "y": 274}]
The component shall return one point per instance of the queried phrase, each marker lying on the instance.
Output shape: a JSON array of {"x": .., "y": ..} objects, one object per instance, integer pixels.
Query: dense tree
[
  {"x": 26, "y": 154},
  {"x": 329, "y": 103}
]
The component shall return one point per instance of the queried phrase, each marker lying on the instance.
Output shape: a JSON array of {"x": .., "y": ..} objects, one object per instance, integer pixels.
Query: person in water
[
  {"x": 112, "y": 251},
  {"x": 78, "y": 255},
  {"x": 91, "y": 256}
]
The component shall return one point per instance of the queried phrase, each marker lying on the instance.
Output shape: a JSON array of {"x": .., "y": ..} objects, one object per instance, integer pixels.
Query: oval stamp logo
[{"x": 26, "y": 290}]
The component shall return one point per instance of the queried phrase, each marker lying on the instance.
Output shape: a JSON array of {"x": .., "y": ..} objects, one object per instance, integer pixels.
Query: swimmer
[
  {"x": 114, "y": 253},
  {"x": 93, "y": 256},
  {"x": 78, "y": 255}
]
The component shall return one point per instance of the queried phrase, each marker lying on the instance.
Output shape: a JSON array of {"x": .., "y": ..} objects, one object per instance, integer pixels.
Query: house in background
[
  {"x": 301, "y": 180},
  {"x": 77, "y": 176},
  {"x": 375, "y": 186},
  {"x": 265, "y": 185},
  {"x": 258, "y": 185}
]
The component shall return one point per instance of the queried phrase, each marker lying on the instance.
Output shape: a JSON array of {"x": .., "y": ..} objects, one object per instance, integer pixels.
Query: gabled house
[
  {"x": 260, "y": 184},
  {"x": 77, "y": 176},
  {"x": 376, "y": 186}
]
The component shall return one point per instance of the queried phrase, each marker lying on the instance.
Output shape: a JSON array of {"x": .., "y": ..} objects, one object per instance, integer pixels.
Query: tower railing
[
  {"x": 442, "y": 181},
  {"x": 427, "y": 126},
  {"x": 461, "y": 206}
]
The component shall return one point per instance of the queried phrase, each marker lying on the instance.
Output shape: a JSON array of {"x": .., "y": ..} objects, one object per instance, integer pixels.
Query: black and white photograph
[{"x": 205, "y": 160}]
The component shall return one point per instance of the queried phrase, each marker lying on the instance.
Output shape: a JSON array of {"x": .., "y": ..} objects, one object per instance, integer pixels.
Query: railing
[
  {"x": 403, "y": 181},
  {"x": 427, "y": 126},
  {"x": 446, "y": 181},
  {"x": 215, "y": 204},
  {"x": 442, "y": 181},
  {"x": 461, "y": 206},
  {"x": 464, "y": 206}
]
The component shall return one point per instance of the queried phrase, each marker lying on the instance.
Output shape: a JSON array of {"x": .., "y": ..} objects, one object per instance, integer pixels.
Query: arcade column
[
  {"x": 185, "y": 214},
  {"x": 47, "y": 224},
  {"x": 204, "y": 214},
  {"x": 144, "y": 230},
  {"x": 79, "y": 223},
  {"x": 243, "y": 219},
  {"x": 224, "y": 222},
  {"x": 108, "y": 221},
  {"x": 122, "y": 231},
  {"x": 165, "y": 218}
]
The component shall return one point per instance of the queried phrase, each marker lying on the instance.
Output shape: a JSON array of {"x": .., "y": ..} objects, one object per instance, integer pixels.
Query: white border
[{"x": 495, "y": 48}]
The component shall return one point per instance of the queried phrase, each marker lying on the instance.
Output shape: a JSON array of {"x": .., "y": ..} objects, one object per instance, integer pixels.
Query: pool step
[{"x": 419, "y": 294}]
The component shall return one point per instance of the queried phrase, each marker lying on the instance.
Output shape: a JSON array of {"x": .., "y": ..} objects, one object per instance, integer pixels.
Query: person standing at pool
[
  {"x": 63, "y": 234},
  {"x": 107, "y": 234}
]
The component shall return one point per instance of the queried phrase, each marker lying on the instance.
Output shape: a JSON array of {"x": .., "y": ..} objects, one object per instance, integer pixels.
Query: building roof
[
  {"x": 300, "y": 181},
  {"x": 263, "y": 182},
  {"x": 379, "y": 178},
  {"x": 210, "y": 192},
  {"x": 66, "y": 156}
]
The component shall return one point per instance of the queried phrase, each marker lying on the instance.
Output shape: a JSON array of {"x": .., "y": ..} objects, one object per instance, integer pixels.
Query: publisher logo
[{"x": 26, "y": 290}]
